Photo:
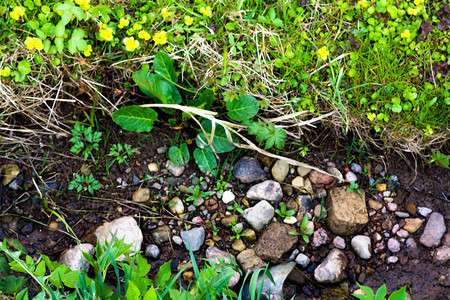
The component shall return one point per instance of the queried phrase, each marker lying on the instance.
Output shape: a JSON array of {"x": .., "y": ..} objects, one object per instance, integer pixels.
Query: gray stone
[
  {"x": 279, "y": 274},
  {"x": 194, "y": 237},
  {"x": 317, "y": 210},
  {"x": 356, "y": 168},
  {"x": 125, "y": 228},
  {"x": 177, "y": 240},
  {"x": 173, "y": 169},
  {"x": 249, "y": 261},
  {"x": 304, "y": 205},
  {"x": 339, "y": 242},
  {"x": 293, "y": 255},
  {"x": 247, "y": 170},
  {"x": 73, "y": 257},
  {"x": 332, "y": 269},
  {"x": 434, "y": 231},
  {"x": 212, "y": 253},
  {"x": 348, "y": 213},
  {"x": 280, "y": 170},
  {"x": 268, "y": 190},
  {"x": 275, "y": 241},
  {"x": 393, "y": 245},
  {"x": 153, "y": 251},
  {"x": 302, "y": 260},
  {"x": 362, "y": 246},
  {"x": 259, "y": 215},
  {"x": 161, "y": 235},
  {"x": 424, "y": 211},
  {"x": 402, "y": 214}
]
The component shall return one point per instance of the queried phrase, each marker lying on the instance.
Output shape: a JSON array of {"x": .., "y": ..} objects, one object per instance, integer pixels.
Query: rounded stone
[
  {"x": 350, "y": 176},
  {"x": 73, "y": 257},
  {"x": 362, "y": 246},
  {"x": 280, "y": 170},
  {"x": 247, "y": 170},
  {"x": 141, "y": 195},
  {"x": 153, "y": 251},
  {"x": 228, "y": 197},
  {"x": 393, "y": 245}
]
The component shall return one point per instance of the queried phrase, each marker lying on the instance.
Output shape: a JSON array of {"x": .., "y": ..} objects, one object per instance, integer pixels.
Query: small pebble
[
  {"x": 177, "y": 240},
  {"x": 152, "y": 251},
  {"x": 377, "y": 237},
  {"x": 381, "y": 187},
  {"x": 402, "y": 214},
  {"x": 411, "y": 208},
  {"x": 197, "y": 220},
  {"x": 424, "y": 211},
  {"x": 153, "y": 167},
  {"x": 392, "y": 259},
  {"x": 391, "y": 207},
  {"x": 302, "y": 260},
  {"x": 339, "y": 242},
  {"x": 371, "y": 181},
  {"x": 388, "y": 199},
  {"x": 228, "y": 197},
  {"x": 402, "y": 233},
  {"x": 394, "y": 178},
  {"x": 386, "y": 193},
  {"x": 293, "y": 255},
  {"x": 356, "y": 168},
  {"x": 350, "y": 176},
  {"x": 393, "y": 245},
  {"x": 161, "y": 150},
  {"x": 395, "y": 228}
]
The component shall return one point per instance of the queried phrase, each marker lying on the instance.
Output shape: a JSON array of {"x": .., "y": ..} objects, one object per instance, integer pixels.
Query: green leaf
[
  {"x": 381, "y": 293},
  {"x": 164, "y": 274},
  {"x": 204, "y": 101},
  {"x": 278, "y": 22},
  {"x": 151, "y": 294},
  {"x": 4, "y": 267},
  {"x": 135, "y": 118},
  {"x": 206, "y": 161},
  {"x": 398, "y": 295},
  {"x": 366, "y": 290},
  {"x": 244, "y": 108},
  {"x": 24, "y": 67},
  {"x": 220, "y": 141},
  {"x": 179, "y": 156},
  {"x": 132, "y": 292},
  {"x": 77, "y": 41},
  {"x": 11, "y": 284},
  {"x": 59, "y": 42},
  {"x": 60, "y": 29},
  {"x": 41, "y": 34},
  {"x": 23, "y": 295},
  {"x": 163, "y": 64}
]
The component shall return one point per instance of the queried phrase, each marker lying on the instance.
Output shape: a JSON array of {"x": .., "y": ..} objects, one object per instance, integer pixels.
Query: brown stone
[
  {"x": 319, "y": 179},
  {"x": 275, "y": 241},
  {"x": 412, "y": 225},
  {"x": 375, "y": 205},
  {"x": 249, "y": 235},
  {"x": 411, "y": 208},
  {"x": 229, "y": 220},
  {"x": 249, "y": 261},
  {"x": 238, "y": 245}
]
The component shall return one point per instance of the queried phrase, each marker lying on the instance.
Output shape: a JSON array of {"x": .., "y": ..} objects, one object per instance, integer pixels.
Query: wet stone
[
  {"x": 332, "y": 269},
  {"x": 434, "y": 231},
  {"x": 320, "y": 180},
  {"x": 275, "y": 241},
  {"x": 249, "y": 261},
  {"x": 248, "y": 170}
]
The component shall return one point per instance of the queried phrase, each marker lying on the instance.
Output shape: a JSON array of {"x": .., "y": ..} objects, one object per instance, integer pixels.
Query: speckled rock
[
  {"x": 434, "y": 231},
  {"x": 269, "y": 190},
  {"x": 393, "y": 245},
  {"x": 275, "y": 241},
  {"x": 332, "y": 269}
]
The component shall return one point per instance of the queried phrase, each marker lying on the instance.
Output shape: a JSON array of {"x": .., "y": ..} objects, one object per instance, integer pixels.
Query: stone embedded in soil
[
  {"x": 362, "y": 246},
  {"x": 249, "y": 261},
  {"x": 177, "y": 240},
  {"x": 319, "y": 179},
  {"x": 393, "y": 245},
  {"x": 424, "y": 211},
  {"x": 348, "y": 213},
  {"x": 153, "y": 167},
  {"x": 412, "y": 225},
  {"x": 122, "y": 228},
  {"x": 228, "y": 197},
  {"x": 402, "y": 214},
  {"x": 174, "y": 170},
  {"x": 318, "y": 209},
  {"x": 332, "y": 269},
  {"x": 434, "y": 231},
  {"x": 161, "y": 234},
  {"x": 391, "y": 207},
  {"x": 335, "y": 293},
  {"x": 303, "y": 171},
  {"x": 280, "y": 170},
  {"x": 176, "y": 206},
  {"x": 73, "y": 257},
  {"x": 375, "y": 204},
  {"x": 193, "y": 238},
  {"x": 9, "y": 171},
  {"x": 304, "y": 205},
  {"x": 152, "y": 251},
  {"x": 351, "y": 177},
  {"x": 238, "y": 245},
  {"x": 275, "y": 241},
  {"x": 319, "y": 238},
  {"x": 268, "y": 190},
  {"x": 298, "y": 182},
  {"x": 356, "y": 168},
  {"x": 248, "y": 170},
  {"x": 336, "y": 173},
  {"x": 339, "y": 242},
  {"x": 213, "y": 252},
  {"x": 411, "y": 209},
  {"x": 279, "y": 274},
  {"x": 392, "y": 260},
  {"x": 290, "y": 220},
  {"x": 302, "y": 260},
  {"x": 259, "y": 215},
  {"x": 141, "y": 195},
  {"x": 402, "y": 233},
  {"x": 249, "y": 235}
]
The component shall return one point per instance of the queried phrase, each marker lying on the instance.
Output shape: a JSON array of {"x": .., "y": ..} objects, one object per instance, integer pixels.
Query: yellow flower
[
  {"x": 106, "y": 34},
  {"x": 32, "y": 43},
  {"x": 88, "y": 51},
  {"x": 417, "y": 2},
  {"x": 412, "y": 11},
  {"x": 5, "y": 72},
  {"x": 160, "y": 38},
  {"x": 323, "y": 52},
  {"x": 84, "y": 4},
  {"x": 188, "y": 20},
  {"x": 405, "y": 34},
  {"x": 130, "y": 43},
  {"x": 144, "y": 35},
  {"x": 206, "y": 11},
  {"x": 123, "y": 23},
  {"x": 371, "y": 116},
  {"x": 363, "y": 3},
  {"x": 18, "y": 12},
  {"x": 137, "y": 27},
  {"x": 165, "y": 13}
]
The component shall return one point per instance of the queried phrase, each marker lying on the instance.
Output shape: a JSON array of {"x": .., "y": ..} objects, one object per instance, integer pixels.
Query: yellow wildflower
[
  {"x": 137, "y": 27},
  {"x": 206, "y": 11},
  {"x": 363, "y": 3},
  {"x": 130, "y": 43},
  {"x": 18, "y": 12},
  {"x": 32, "y": 43},
  {"x": 106, "y": 34},
  {"x": 371, "y": 116},
  {"x": 405, "y": 34},
  {"x": 165, "y": 13},
  {"x": 88, "y": 51},
  {"x": 5, "y": 72},
  {"x": 84, "y": 4},
  {"x": 123, "y": 23},
  {"x": 188, "y": 20},
  {"x": 412, "y": 11},
  {"x": 144, "y": 35},
  {"x": 160, "y": 38},
  {"x": 418, "y": 2},
  {"x": 323, "y": 52}
]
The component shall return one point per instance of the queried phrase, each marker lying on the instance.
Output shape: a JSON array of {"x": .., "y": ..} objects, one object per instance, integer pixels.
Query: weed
[
  {"x": 282, "y": 212},
  {"x": 440, "y": 159},
  {"x": 196, "y": 194},
  {"x": 380, "y": 294},
  {"x": 221, "y": 185},
  {"x": 236, "y": 207},
  {"x": 83, "y": 183},
  {"x": 354, "y": 188},
  {"x": 304, "y": 232},
  {"x": 237, "y": 232},
  {"x": 322, "y": 213},
  {"x": 121, "y": 153},
  {"x": 85, "y": 140}
]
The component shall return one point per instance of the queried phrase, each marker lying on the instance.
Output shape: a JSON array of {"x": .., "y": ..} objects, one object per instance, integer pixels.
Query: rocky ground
[{"x": 388, "y": 229}]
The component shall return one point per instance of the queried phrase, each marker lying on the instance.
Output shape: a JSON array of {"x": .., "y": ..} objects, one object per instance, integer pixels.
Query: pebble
[
  {"x": 153, "y": 251},
  {"x": 9, "y": 171},
  {"x": 197, "y": 220},
  {"x": 395, "y": 228},
  {"x": 402, "y": 233},
  {"x": 321, "y": 180},
  {"x": 136, "y": 180},
  {"x": 332, "y": 269},
  {"x": 249, "y": 235},
  {"x": 161, "y": 150},
  {"x": 153, "y": 167},
  {"x": 391, "y": 206},
  {"x": 411, "y": 208},
  {"x": 248, "y": 169},
  {"x": 280, "y": 170},
  {"x": 173, "y": 169},
  {"x": 176, "y": 206},
  {"x": 298, "y": 182},
  {"x": 269, "y": 190},
  {"x": 191, "y": 208},
  {"x": 74, "y": 259},
  {"x": 412, "y": 225},
  {"x": 394, "y": 178},
  {"x": 356, "y": 168},
  {"x": 238, "y": 245},
  {"x": 350, "y": 176},
  {"x": 375, "y": 204},
  {"x": 362, "y": 246},
  {"x": 392, "y": 259},
  {"x": 339, "y": 242},
  {"x": 302, "y": 260},
  {"x": 381, "y": 187},
  {"x": 228, "y": 197},
  {"x": 424, "y": 211},
  {"x": 434, "y": 231},
  {"x": 371, "y": 181},
  {"x": 303, "y": 171},
  {"x": 293, "y": 255},
  {"x": 317, "y": 211},
  {"x": 388, "y": 199},
  {"x": 177, "y": 240},
  {"x": 336, "y": 173},
  {"x": 259, "y": 215},
  {"x": 319, "y": 238},
  {"x": 386, "y": 193},
  {"x": 194, "y": 237},
  {"x": 377, "y": 237},
  {"x": 402, "y": 214},
  {"x": 141, "y": 195},
  {"x": 290, "y": 220},
  {"x": 393, "y": 245}
]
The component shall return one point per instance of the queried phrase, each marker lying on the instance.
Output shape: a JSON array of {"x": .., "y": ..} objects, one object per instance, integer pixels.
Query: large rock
[
  {"x": 73, "y": 257},
  {"x": 212, "y": 253},
  {"x": 249, "y": 261},
  {"x": 434, "y": 231},
  {"x": 275, "y": 241},
  {"x": 125, "y": 228},
  {"x": 193, "y": 238},
  {"x": 319, "y": 179},
  {"x": 348, "y": 211},
  {"x": 247, "y": 170},
  {"x": 332, "y": 269},
  {"x": 259, "y": 215},
  {"x": 268, "y": 190},
  {"x": 280, "y": 170},
  {"x": 279, "y": 274}
]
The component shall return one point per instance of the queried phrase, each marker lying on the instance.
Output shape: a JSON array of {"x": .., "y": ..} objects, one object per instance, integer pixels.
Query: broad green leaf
[
  {"x": 77, "y": 41},
  {"x": 220, "y": 141},
  {"x": 204, "y": 101},
  {"x": 40, "y": 269},
  {"x": 102, "y": 12},
  {"x": 244, "y": 108},
  {"x": 11, "y": 284},
  {"x": 60, "y": 29},
  {"x": 206, "y": 161},
  {"x": 278, "y": 22},
  {"x": 135, "y": 118},
  {"x": 366, "y": 290},
  {"x": 151, "y": 294},
  {"x": 49, "y": 29},
  {"x": 398, "y": 295},
  {"x": 132, "y": 292},
  {"x": 164, "y": 274},
  {"x": 219, "y": 282},
  {"x": 164, "y": 65},
  {"x": 41, "y": 34},
  {"x": 23, "y": 295},
  {"x": 381, "y": 293},
  {"x": 59, "y": 42},
  {"x": 179, "y": 156},
  {"x": 24, "y": 67},
  {"x": 4, "y": 267}
]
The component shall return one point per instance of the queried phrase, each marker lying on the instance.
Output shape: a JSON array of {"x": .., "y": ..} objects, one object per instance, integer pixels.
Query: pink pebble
[
  {"x": 395, "y": 228},
  {"x": 391, "y": 206},
  {"x": 197, "y": 220}
]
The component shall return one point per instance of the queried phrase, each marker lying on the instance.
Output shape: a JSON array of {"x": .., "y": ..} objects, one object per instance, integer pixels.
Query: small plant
[
  {"x": 304, "y": 232},
  {"x": 83, "y": 183},
  {"x": 267, "y": 133},
  {"x": 237, "y": 232},
  {"x": 440, "y": 159},
  {"x": 196, "y": 194},
  {"x": 179, "y": 156},
  {"x": 320, "y": 218},
  {"x": 121, "y": 153},
  {"x": 221, "y": 185},
  {"x": 236, "y": 207},
  {"x": 354, "y": 188},
  {"x": 85, "y": 140},
  {"x": 215, "y": 230},
  {"x": 282, "y": 212},
  {"x": 380, "y": 294}
]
